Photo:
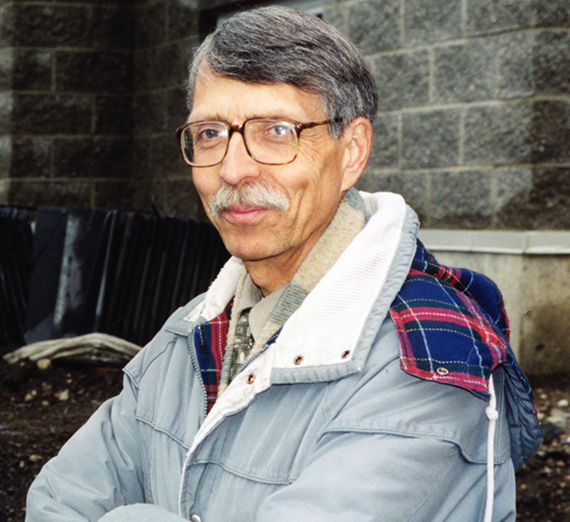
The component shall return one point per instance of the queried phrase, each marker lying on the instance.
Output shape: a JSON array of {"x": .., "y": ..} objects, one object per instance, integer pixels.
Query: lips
[{"x": 247, "y": 214}]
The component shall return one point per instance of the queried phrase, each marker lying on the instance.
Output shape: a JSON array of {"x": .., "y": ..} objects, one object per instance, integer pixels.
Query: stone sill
[{"x": 497, "y": 241}]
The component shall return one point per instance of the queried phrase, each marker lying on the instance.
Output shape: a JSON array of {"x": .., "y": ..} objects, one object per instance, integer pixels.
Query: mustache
[{"x": 254, "y": 195}]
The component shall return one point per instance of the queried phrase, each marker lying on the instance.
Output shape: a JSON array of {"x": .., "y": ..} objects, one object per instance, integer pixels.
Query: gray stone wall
[
  {"x": 66, "y": 121},
  {"x": 473, "y": 127},
  {"x": 474, "y": 121}
]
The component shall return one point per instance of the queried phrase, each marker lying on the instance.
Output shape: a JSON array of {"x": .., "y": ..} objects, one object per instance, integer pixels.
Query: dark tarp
[{"x": 117, "y": 273}]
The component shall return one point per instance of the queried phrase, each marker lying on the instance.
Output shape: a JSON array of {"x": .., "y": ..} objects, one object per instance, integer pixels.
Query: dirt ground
[{"x": 41, "y": 409}]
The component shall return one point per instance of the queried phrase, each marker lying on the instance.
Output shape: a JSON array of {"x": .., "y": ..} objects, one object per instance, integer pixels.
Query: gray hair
[{"x": 282, "y": 45}]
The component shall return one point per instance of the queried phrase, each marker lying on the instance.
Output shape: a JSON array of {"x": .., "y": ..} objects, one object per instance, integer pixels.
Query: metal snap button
[
  {"x": 251, "y": 378},
  {"x": 298, "y": 360},
  {"x": 195, "y": 518},
  {"x": 345, "y": 354},
  {"x": 442, "y": 371}
]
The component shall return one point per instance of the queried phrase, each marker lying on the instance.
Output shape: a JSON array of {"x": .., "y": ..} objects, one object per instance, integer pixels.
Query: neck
[{"x": 274, "y": 273}]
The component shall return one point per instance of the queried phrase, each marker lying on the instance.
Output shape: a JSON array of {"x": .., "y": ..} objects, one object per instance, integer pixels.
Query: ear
[{"x": 358, "y": 143}]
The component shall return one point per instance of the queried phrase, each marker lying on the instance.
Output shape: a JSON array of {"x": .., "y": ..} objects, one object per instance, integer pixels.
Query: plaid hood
[{"x": 453, "y": 329}]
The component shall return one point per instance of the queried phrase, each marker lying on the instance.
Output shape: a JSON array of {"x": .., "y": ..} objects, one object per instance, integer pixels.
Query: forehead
[{"x": 220, "y": 97}]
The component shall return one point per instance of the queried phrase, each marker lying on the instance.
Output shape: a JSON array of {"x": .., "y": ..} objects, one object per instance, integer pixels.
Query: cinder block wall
[
  {"x": 66, "y": 94},
  {"x": 474, "y": 121},
  {"x": 473, "y": 126}
]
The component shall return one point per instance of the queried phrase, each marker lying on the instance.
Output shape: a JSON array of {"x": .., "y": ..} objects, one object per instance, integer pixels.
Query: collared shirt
[{"x": 261, "y": 307}]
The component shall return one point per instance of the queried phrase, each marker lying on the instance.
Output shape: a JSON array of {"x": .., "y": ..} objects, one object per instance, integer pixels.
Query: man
[{"x": 333, "y": 371}]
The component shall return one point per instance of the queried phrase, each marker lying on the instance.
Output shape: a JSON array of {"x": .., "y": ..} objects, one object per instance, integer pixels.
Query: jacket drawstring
[{"x": 492, "y": 415}]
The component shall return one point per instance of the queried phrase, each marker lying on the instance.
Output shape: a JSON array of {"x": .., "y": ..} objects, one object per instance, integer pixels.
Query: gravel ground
[{"x": 42, "y": 409}]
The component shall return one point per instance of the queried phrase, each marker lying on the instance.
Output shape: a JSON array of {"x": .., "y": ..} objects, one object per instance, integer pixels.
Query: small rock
[
  {"x": 563, "y": 403},
  {"x": 30, "y": 396},
  {"x": 558, "y": 418},
  {"x": 63, "y": 395},
  {"x": 44, "y": 364},
  {"x": 35, "y": 458}
]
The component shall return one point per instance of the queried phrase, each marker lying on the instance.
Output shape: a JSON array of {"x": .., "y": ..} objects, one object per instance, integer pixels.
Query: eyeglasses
[{"x": 271, "y": 142}]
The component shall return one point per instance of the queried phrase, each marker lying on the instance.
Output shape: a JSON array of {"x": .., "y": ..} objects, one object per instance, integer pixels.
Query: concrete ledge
[{"x": 497, "y": 241}]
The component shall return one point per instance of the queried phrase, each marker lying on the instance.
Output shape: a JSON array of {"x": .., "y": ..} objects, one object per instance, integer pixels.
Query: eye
[
  {"x": 207, "y": 133},
  {"x": 281, "y": 129}
]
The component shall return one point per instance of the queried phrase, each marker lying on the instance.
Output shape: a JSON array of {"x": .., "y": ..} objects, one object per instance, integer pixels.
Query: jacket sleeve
[{"x": 97, "y": 470}]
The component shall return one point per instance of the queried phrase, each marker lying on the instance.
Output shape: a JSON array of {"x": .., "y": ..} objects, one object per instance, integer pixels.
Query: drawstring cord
[{"x": 492, "y": 415}]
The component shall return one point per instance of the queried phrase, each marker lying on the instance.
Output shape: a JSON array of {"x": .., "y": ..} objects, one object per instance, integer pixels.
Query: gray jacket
[{"x": 323, "y": 425}]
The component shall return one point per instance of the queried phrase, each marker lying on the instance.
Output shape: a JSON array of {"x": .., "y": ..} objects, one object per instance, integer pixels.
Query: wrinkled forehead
[{"x": 221, "y": 97}]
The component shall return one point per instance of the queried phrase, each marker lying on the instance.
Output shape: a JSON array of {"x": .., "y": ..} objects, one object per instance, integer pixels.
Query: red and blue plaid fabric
[
  {"x": 210, "y": 340},
  {"x": 452, "y": 326}
]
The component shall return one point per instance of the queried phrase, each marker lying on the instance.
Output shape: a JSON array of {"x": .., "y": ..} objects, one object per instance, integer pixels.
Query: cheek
[{"x": 206, "y": 183}]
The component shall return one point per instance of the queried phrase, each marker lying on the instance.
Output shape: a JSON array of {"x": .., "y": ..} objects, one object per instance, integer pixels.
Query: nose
[{"x": 238, "y": 165}]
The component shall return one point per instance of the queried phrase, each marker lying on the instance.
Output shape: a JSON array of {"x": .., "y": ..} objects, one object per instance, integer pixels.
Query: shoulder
[{"x": 169, "y": 342}]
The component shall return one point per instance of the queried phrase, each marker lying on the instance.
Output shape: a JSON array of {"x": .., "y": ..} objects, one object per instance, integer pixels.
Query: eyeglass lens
[{"x": 267, "y": 141}]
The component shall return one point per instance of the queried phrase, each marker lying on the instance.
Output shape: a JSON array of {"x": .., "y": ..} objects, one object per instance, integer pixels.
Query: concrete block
[
  {"x": 158, "y": 157},
  {"x": 182, "y": 198},
  {"x": 151, "y": 24},
  {"x": 551, "y": 132},
  {"x": 385, "y": 144},
  {"x": 149, "y": 192},
  {"x": 552, "y": 63},
  {"x": 336, "y": 15},
  {"x": 465, "y": 72},
  {"x": 32, "y": 70},
  {"x": 183, "y": 18},
  {"x": 93, "y": 158},
  {"x": 50, "y": 193},
  {"x": 552, "y": 13},
  {"x": 539, "y": 199},
  {"x": 461, "y": 199},
  {"x": 430, "y": 139},
  {"x": 413, "y": 186},
  {"x": 494, "y": 16},
  {"x": 5, "y": 158},
  {"x": 177, "y": 110},
  {"x": 31, "y": 157},
  {"x": 374, "y": 25},
  {"x": 114, "y": 115},
  {"x": 51, "y": 114},
  {"x": 7, "y": 26},
  {"x": 107, "y": 71},
  {"x": 402, "y": 79},
  {"x": 114, "y": 195},
  {"x": 498, "y": 134},
  {"x": 41, "y": 25},
  {"x": 114, "y": 26},
  {"x": 515, "y": 65},
  {"x": 150, "y": 112},
  {"x": 429, "y": 21},
  {"x": 6, "y": 67},
  {"x": 4, "y": 191},
  {"x": 513, "y": 187},
  {"x": 159, "y": 67},
  {"x": 6, "y": 110}
]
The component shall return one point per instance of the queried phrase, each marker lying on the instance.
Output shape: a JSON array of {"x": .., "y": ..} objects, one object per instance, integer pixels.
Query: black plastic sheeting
[
  {"x": 117, "y": 273},
  {"x": 15, "y": 268}
]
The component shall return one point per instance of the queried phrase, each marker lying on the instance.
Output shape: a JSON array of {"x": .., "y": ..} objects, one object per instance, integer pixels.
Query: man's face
[{"x": 312, "y": 184}]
